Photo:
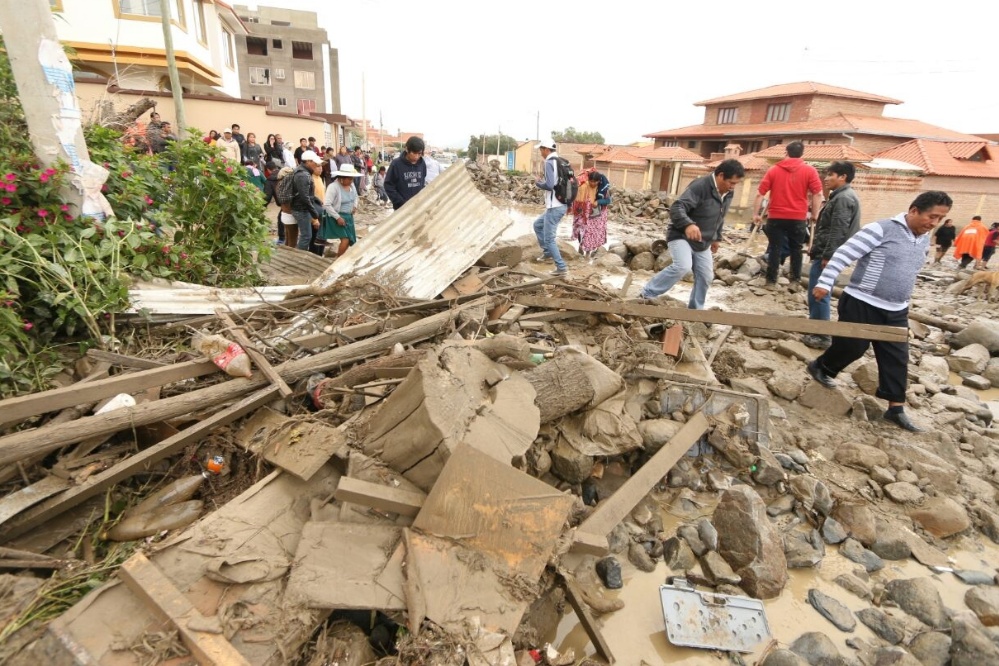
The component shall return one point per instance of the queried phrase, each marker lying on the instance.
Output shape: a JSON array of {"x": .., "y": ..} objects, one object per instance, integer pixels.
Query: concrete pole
[
  {"x": 43, "y": 102},
  {"x": 175, "y": 89}
]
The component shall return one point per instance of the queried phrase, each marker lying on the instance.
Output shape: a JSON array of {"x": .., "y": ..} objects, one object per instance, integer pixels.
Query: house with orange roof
[{"x": 646, "y": 167}]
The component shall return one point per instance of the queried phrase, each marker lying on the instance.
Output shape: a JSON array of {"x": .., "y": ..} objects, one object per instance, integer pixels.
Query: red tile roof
[
  {"x": 622, "y": 156},
  {"x": 937, "y": 159},
  {"x": 823, "y": 152},
  {"x": 667, "y": 154},
  {"x": 749, "y": 162},
  {"x": 802, "y": 88},
  {"x": 840, "y": 123}
]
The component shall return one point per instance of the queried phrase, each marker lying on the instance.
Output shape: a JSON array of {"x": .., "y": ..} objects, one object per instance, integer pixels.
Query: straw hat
[{"x": 346, "y": 171}]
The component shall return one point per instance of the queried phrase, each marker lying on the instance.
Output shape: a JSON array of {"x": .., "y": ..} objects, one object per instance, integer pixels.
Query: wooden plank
[
  {"x": 148, "y": 583},
  {"x": 355, "y": 332},
  {"x": 26, "y": 497},
  {"x": 575, "y": 598},
  {"x": 436, "y": 303},
  {"x": 142, "y": 460},
  {"x": 672, "y": 339},
  {"x": 611, "y": 512},
  {"x": 589, "y": 544},
  {"x": 627, "y": 283},
  {"x": 124, "y": 361},
  {"x": 297, "y": 446},
  {"x": 259, "y": 359},
  {"x": 376, "y": 496},
  {"x": 15, "y": 409},
  {"x": 740, "y": 319}
]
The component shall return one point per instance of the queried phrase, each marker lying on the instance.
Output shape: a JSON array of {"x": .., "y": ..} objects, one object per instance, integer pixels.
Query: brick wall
[
  {"x": 972, "y": 196},
  {"x": 743, "y": 115},
  {"x": 823, "y": 106},
  {"x": 627, "y": 177}
]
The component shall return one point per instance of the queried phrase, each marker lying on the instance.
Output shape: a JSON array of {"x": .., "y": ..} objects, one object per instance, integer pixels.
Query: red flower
[
  {"x": 228, "y": 169},
  {"x": 5, "y": 201},
  {"x": 242, "y": 183},
  {"x": 43, "y": 213},
  {"x": 11, "y": 188},
  {"x": 10, "y": 177},
  {"x": 28, "y": 326},
  {"x": 166, "y": 249},
  {"x": 126, "y": 174},
  {"x": 121, "y": 233},
  {"x": 50, "y": 172},
  {"x": 149, "y": 200},
  {"x": 64, "y": 208},
  {"x": 44, "y": 178},
  {"x": 104, "y": 187},
  {"x": 183, "y": 255}
]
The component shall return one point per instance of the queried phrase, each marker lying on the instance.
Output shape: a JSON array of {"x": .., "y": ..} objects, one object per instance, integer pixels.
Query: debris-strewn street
[{"x": 445, "y": 455}]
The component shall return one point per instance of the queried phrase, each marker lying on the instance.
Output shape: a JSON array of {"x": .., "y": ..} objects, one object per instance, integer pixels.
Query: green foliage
[
  {"x": 572, "y": 135},
  {"x": 135, "y": 183},
  {"x": 475, "y": 144}
]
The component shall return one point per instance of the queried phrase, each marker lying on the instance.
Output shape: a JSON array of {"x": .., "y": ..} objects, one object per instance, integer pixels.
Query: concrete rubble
[{"x": 451, "y": 478}]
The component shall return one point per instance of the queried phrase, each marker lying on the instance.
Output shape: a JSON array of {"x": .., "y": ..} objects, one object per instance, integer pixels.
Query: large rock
[
  {"x": 918, "y": 598},
  {"x": 866, "y": 376},
  {"x": 832, "y": 610},
  {"x": 782, "y": 657},
  {"x": 886, "y": 627},
  {"x": 817, "y": 649},
  {"x": 904, "y": 492},
  {"x": 643, "y": 261},
  {"x": 830, "y": 401},
  {"x": 984, "y": 601},
  {"x": 982, "y": 332},
  {"x": 972, "y": 358},
  {"x": 569, "y": 464},
  {"x": 935, "y": 368},
  {"x": 858, "y": 519},
  {"x": 941, "y": 516},
  {"x": 656, "y": 432},
  {"x": 991, "y": 371},
  {"x": 970, "y": 644},
  {"x": 931, "y": 648},
  {"x": 860, "y": 456},
  {"x": 853, "y": 551},
  {"x": 812, "y": 493},
  {"x": 750, "y": 543}
]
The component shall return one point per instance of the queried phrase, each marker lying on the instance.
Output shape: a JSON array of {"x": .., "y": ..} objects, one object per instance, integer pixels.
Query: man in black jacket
[
  {"x": 305, "y": 206},
  {"x": 943, "y": 238},
  {"x": 838, "y": 220},
  {"x": 407, "y": 174},
  {"x": 695, "y": 230}
]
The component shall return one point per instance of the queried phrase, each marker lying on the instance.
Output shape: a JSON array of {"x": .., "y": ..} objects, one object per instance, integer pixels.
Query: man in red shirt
[{"x": 789, "y": 184}]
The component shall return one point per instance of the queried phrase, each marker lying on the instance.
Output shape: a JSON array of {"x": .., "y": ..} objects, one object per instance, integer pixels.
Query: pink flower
[
  {"x": 28, "y": 326},
  {"x": 183, "y": 255},
  {"x": 64, "y": 208},
  {"x": 44, "y": 178},
  {"x": 21, "y": 228},
  {"x": 5, "y": 201},
  {"x": 49, "y": 172},
  {"x": 104, "y": 187},
  {"x": 43, "y": 213},
  {"x": 107, "y": 164},
  {"x": 126, "y": 174},
  {"x": 228, "y": 169},
  {"x": 8, "y": 303},
  {"x": 242, "y": 183},
  {"x": 166, "y": 249},
  {"x": 149, "y": 200},
  {"x": 68, "y": 217},
  {"x": 121, "y": 233},
  {"x": 9, "y": 177}
]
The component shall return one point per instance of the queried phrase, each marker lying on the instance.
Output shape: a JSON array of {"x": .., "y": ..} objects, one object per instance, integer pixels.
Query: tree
[
  {"x": 572, "y": 135},
  {"x": 475, "y": 144}
]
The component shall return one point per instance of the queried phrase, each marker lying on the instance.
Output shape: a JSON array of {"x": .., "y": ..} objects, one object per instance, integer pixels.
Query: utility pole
[
  {"x": 45, "y": 87},
  {"x": 499, "y": 135},
  {"x": 537, "y": 127},
  {"x": 364, "y": 116},
  {"x": 175, "y": 89}
]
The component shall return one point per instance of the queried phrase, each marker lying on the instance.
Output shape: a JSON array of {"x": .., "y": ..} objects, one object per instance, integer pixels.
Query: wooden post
[
  {"x": 46, "y": 88},
  {"x": 175, "y": 88}
]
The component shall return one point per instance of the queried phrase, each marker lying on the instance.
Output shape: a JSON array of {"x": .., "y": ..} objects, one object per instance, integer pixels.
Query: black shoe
[
  {"x": 820, "y": 376},
  {"x": 816, "y": 341},
  {"x": 901, "y": 419}
]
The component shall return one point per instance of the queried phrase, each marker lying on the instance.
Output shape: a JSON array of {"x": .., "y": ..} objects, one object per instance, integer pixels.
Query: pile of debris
[{"x": 641, "y": 204}]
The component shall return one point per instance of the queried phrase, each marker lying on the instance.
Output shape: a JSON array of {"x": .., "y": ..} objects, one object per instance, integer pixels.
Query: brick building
[{"x": 285, "y": 60}]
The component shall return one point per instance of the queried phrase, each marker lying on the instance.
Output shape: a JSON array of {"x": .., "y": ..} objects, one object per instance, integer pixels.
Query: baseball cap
[
  {"x": 546, "y": 143},
  {"x": 310, "y": 156}
]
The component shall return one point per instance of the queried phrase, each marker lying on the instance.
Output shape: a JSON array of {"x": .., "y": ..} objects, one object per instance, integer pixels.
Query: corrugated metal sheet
[
  {"x": 426, "y": 245},
  {"x": 290, "y": 266},
  {"x": 183, "y": 299}
]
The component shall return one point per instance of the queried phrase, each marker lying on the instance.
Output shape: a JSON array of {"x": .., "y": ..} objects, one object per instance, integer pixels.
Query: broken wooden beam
[
  {"x": 575, "y": 598},
  {"x": 124, "y": 361},
  {"x": 463, "y": 299},
  {"x": 376, "y": 496},
  {"x": 613, "y": 510},
  {"x": 258, "y": 358},
  {"x": 739, "y": 319},
  {"x": 148, "y": 583}
]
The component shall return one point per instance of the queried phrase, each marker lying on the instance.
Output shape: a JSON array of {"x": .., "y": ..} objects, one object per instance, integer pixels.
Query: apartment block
[{"x": 285, "y": 59}]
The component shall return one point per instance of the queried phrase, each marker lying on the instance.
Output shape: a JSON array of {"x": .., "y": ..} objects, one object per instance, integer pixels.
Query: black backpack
[
  {"x": 285, "y": 190},
  {"x": 566, "y": 185}
]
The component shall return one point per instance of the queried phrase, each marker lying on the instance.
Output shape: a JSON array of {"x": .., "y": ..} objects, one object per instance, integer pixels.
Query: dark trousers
[
  {"x": 966, "y": 259},
  {"x": 794, "y": 232},
  {"x": 892, "y": 357}
]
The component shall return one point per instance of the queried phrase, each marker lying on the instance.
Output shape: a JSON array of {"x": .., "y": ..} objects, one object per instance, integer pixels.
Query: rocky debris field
[{"x": 458, "y": 482}]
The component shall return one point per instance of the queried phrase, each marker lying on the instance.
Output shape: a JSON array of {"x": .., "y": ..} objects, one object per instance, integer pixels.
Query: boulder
[
  {"x": 991, "y": 371},
  {"x": 833, "y": 532},
  {"x": 895, "y": 656},
  {"x": 830, "y": 401},
  {"x": 892, "y": 542},
  {"x": 678, "y": 555},
  {"x": 934, "y": 367},
  {"x": 643, "y": 261},
  {"x": 931, "y": 648},
  {"x": 656, "y": 432},
  {"x": 832, "y": 610},
  {"x": 639, "y": 556},
  {"x": 769, "y": 471},
  {"x": 866, "y": 376},
  {"x": 750, "y": 543},
  {"x": 853, "y": 551},
  {"x": 569, "y": 464},
  {"x": 782, "y": 657},
  {"x": 854, "y": 585},
  {"x": 817, "y": 649},
  {"x": 970, "y": 644},
  {"x": 860, "y": 456},
  {"x": 984, "y": 601},
  {"x": 941, "y": 516},
  {"x": 886, "y": 627},
  {"x": 904, "y": 492},
  {"x": 718, "y": 570},
  {"x": 858, "y": 519},
  {"x": 982, "y": 332},
  {"x": 783, "y": 386},
  {"x": 812, "y": 493},
  {"x": 918, "y": 598},
  {"x": 972, "y": 358}
]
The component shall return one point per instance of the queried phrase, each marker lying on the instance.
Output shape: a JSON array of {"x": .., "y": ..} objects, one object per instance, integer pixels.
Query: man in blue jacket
[
  {"x": 695, "y": 230},
  {"x": 407, "y": 174}
]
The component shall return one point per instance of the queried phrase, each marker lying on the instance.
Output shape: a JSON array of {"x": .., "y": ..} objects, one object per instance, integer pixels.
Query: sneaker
[
  {"x": 901, "y": 419},
  {"x": 543, "y": 258},
  {"x": 560, "y": 272},
  {"x": 816, "y": 341},
  {"x": 770, "y": 286},
  {"x": 794, "y": 287},
  {"x": 819, "y": 375}
]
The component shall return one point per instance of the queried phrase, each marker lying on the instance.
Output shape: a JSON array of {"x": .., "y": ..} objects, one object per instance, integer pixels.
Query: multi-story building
[
  {"x": 122, "y": 42},
  {"x": 285, "y": 60}
]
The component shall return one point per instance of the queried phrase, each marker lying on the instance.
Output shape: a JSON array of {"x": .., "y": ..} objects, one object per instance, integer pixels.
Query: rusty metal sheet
[{"x": 427, "y": 244}]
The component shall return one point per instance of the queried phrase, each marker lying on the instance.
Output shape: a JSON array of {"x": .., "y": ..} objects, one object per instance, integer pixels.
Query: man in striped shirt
[{"x": 889, "y": 255}]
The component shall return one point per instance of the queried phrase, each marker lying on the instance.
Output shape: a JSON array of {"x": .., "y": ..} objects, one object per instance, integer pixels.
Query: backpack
[
  {"x": 566, "y": 185},
  {"x": 285, "y": 190}
]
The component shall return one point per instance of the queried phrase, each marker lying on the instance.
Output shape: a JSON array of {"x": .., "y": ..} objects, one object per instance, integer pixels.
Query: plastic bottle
[
  {"x": 117, "y": 402},
  {"x": 168, "y": 517},
  {"x": 227, "y": 355},
  {"x": 180, "y": 490}
]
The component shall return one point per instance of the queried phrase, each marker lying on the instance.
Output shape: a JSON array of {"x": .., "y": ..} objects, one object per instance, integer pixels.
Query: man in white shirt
[{"x": 547, "y": 223}]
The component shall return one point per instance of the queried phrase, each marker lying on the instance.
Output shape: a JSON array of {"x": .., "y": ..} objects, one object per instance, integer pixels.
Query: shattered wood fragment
[
  {"x": 147, "y": 582},
  {"x": 26, "y": 497},
  {"x": 259, "y": 359},
  {"x": 740, "y": 319},
  {"x": 575, "y": 599},
  {"x": 672, "y": 340},
  {"x": 384, "y": 498},
  {"x": 124, "y": 361},
  {"x": 464, "y": 286},
  {"x": 298, "y": 446},
  {"x": 613, "y": 510}
]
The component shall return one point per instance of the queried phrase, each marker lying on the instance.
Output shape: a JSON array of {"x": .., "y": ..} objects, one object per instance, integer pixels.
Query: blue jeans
[
  {"x": 544, "y": 228},
  {"x": 817, "y": 309},
  {"x": 303, "y": 219},
  {"x": 684, "y": 258}
]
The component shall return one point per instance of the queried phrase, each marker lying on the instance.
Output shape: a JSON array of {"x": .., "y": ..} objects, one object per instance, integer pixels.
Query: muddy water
[
  {"x": 988, "y": 395},
  {"x": 637, "y": 634}
]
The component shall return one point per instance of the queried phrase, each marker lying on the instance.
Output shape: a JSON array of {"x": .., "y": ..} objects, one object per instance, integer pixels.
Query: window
[
  {"x": 250, "y": 19},
  {"x": 283, "y": 24},
  {"x": 305, "y": 80},
  {"x": 301, "y": 50},
  {"x": 671, "y": 144},
  {"x": 277, "y": 44},
  {"x": 815, "y": 142},
  {"x": 778, "y": 113},
  {"x": 727, "y": 115},
  {"x": 200, "y": 32},
  {"x": 279, "y": 74},
  {"x": 261, "y": 98},
  {"x": 691, "y": 144},
  {"x": 260, "y": 76},
  {"x": 227, "y": 53},
  {"x": 282, "y": 101},
  {"x": 306, "y": 106},
  {"x": 754, "y": 146},
  {"x": 774, "y": 142},
  {"x": 149, "y": 8},
  {"x": 256, "y": 46}
]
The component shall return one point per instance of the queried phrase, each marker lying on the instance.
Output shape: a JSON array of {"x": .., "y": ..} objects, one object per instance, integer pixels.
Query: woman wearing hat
[{"x": 338, "y": 208}]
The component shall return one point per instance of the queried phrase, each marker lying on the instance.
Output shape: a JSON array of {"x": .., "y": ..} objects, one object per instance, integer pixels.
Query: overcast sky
[{"x": 452, "y": 68}]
